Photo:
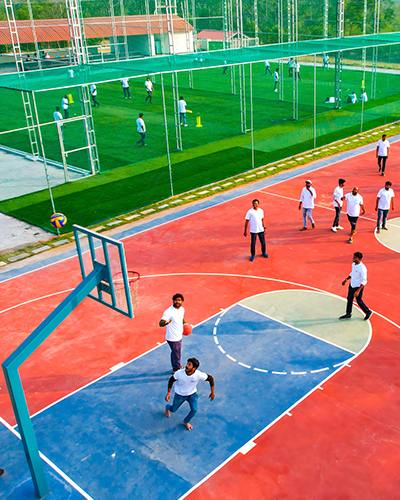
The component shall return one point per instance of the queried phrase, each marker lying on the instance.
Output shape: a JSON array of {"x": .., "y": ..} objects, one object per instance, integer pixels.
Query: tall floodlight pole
[
  {"x": 280, "y": 40},
  {"x": 114, "y": 30},
  {"x": 377, "y": 13},
  {"x": 228, "y": 14},
  {"x": 256, "y": 26},
  {"x": 124, "y": 33},
  {"x": 242, "y": 69},
  {"x": 326, "y": 19},
  {"x": 33, "y": 27},
  {"x": 364, "y": 61},
  {"x": 148, "y": 27},
  {"x": 293, "y": 37},
  {"x": 189, "y": 40},
  {"x": 338, "y": 55}
]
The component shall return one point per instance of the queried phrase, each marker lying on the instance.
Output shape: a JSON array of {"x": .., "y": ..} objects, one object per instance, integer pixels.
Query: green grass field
[{"x": 133, "y": 176}]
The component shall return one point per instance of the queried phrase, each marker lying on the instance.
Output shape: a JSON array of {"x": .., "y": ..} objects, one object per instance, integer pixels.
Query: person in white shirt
[
  {"x": 182, "y": 106},
  {"x": 174, "y": 318},
  {"x": 296, "y": 68},
  {"x": 93, "y": 93},
  {"x": 291, "y": 66},
  {"x": 57, "y": 116},
  {"x": 363, "y": 96},
  {"x": 384, "y": 203},
  {"x": 338, "y": 204},
  {"x": 65, "y": 106},
  {"x": 325, "y": 61},
  {"x": 267, "y": 68},
  {"x": 353, "y": 98},
  {"x": 276, "y": 79},
  {"x": 148, "y": 85},
  {"x": 141, "y": 129},
  {"x": 255, "y": 219},
  {"x": 186, "y": 381},
  {"x": 358, "y": 280},
  {"x": 125, "y": 88},
  {"x": 307, "y": 203},
  {"x": 355, "y": 208},
  {"x": 382, "y": 153},
  {"x": 225, "y": 68}
]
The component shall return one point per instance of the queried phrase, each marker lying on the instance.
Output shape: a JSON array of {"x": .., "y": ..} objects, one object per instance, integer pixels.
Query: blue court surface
[{"x": 113, "y": 440}]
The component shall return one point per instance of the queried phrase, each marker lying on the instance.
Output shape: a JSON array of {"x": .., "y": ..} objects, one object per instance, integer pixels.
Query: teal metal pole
[{"x": 27, "y": 348}]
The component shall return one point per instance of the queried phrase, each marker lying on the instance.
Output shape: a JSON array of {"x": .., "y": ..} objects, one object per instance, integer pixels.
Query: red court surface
[{"x": 340, "y": 442}]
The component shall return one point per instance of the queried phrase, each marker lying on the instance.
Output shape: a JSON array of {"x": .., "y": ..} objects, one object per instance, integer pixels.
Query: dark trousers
[
  {"x": 360, "y": 302},
  {"x": 382, "y": 214},
  {"x": 127, "y": 91},
  {"x": 176, "y": 348},
  {"x": 142, "y": 138},
  {"x": 337, "y": 216},
  {"x": 382, "y": 163},
  {"x": 149, "y": 96},
  {"x": 95, "y": 101},
  {"x": 261, "y": 237},
  {"x": 66, "y": 113}
]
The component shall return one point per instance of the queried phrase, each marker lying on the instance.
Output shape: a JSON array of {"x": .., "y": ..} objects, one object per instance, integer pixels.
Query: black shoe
[
  {"x": 2, "y": 472},
  {"x": 265, "y": 255},
  {"x": 385, "y": 228},
  {"x": 345, "y": 316},
  {"x": 368, "y": 315}
]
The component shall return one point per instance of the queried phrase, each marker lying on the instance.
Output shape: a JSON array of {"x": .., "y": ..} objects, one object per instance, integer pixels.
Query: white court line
[
  {"x": 291, "y": 326},
  {"x": 50, "y": 463},
  {"x": 233, "y": 198},
  {"x": 383, "y": 243}
]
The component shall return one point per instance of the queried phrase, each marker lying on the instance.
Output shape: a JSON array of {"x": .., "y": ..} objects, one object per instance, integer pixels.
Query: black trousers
[
  {"x": 337, "y": 216},
  {"x": 382, "y": 163},
  {"x": 360, "y": 302},
  {"x": 261, "y": 237}
]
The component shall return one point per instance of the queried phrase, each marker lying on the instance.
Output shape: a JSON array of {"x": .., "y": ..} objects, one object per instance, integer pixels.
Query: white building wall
[{"x": 181, "y": 44}]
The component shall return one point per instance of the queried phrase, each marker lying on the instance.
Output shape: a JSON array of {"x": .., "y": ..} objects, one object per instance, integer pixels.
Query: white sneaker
[
  {"x": 339, "y": 227},
  {"x": 334, "y": 229},
  {"x": 276, "y": 90}
]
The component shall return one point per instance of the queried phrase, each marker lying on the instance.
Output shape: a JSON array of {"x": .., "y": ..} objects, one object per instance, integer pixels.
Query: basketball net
[{"x": 119, "y": 285}]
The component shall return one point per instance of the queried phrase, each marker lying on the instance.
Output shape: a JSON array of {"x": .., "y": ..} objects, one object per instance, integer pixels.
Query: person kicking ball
[{"x": 186, "y": 381}]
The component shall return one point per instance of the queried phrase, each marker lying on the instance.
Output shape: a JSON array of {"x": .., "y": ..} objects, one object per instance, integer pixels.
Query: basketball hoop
[{"x": 119, "y": 286}]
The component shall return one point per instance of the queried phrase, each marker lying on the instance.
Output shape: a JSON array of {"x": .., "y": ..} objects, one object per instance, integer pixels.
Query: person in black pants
[
  {"x": 338, "y": 204},
  {"x": 358, "y": 280},
  {"x": 255, "y": 219}
]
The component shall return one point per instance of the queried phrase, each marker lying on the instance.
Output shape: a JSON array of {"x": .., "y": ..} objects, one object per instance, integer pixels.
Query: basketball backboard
[{"x": 114, "y": 289}]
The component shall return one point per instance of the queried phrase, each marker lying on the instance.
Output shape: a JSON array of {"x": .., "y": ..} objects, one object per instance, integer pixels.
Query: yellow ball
[{"x": 58, "y": 220}]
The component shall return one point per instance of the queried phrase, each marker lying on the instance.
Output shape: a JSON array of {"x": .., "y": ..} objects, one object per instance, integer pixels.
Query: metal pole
[
  {"x": 338, "y": 55},
  {"x": 256, "y": 26},
  {"x": 35, "y": 40},
  {"x": 280, "y": 40},
  {"x": 166, "y": 136},
  {"x": 148, "y": 27},
  {"x": 326, "y": 18},
  {"x": 251, "y": 116},
  {"x": 62, "y": 148},
  {"x": 114, "y": 30},
  {"x": 123, "y": 21},
  {"x": 315, "y": 101},
  {"x": 377, "y": 11}
]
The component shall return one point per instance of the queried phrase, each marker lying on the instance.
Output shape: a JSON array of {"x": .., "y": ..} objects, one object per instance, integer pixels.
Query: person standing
[
  {"x": 141, "y": 130},
  {"x": 382, "y": 153},
  {"x": 384, "y": 203},
  {"x": 225, "y": 68},
  {"x": 307, "y": 203},
  {"x": 93, "y": 93},
  {"x": 355, "y": 208},
  {"x": 325, "y": 61},
  {"x": 148, "y": 85},
  {"x": 291, "y": 66},
  {"x": 125, "y": 88},
  {"x": 255, "y": 219},
  {"x": 57, "y": 116},
  {"x": 276, "y": 79},
  {"x": 182, "y": 106},
  {"x": 296, "y": 68},
  {"x": 186, "y": 381},
  {"x": 338, "y": 204},
  {"x": 65, "y": 106},
  {"x": 267, "y": 67},
  {"x": 174, "y": 318},
  {"x": 358, "y": 281}
]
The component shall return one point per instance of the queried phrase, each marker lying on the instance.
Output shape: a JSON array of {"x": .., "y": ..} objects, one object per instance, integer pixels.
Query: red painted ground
[{"x": 341, "y": 442}]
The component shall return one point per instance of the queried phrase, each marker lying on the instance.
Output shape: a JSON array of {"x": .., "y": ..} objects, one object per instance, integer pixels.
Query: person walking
[
  {"x": 141, "y": 130},
  {"x": 255, "y": 219},
  {"x": 384, "y": 203},
  {"x": 296, "y": 69},
  {"x": 338, "y": 204},
  {"x": 325, "y": 61},
  {"x": 182, "y": 106},
  {"x": 186, "y": 381},
  {"x": 382, "y": 153},
  {"x": 125, "y": 88},
  {"x": 65, "y": 106},
  {"x": 174, "y": 318},
  {"x": 93, "y": 93},
  {"x": 276, "y": 79},
  {"x": 148, "y": 85},
  {"x": 355, "y": 208},
  {"x": 267, "y": 67},
  {"x": 358, "y": 281},
  {"x": 307, "y": 203}
]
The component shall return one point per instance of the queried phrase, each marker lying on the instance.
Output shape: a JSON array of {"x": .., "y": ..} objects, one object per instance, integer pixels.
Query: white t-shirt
[
  {"x": 149, "y": 85},
  {"x": 255, "y": 218},
  {"x": 385, "y": 197},
  {"x": 125, "y": 83},
  {"x": 93, "y": 89},
  {"x": 337, "y": 196},
  {"x": 358, "y": 275},
  {"x": 267, "y": 64},
  {"x": 57, "y": 116},
  {"x": 64, "y": 103},
  {"x": 140, "y": 125},
  {"x": 353, "y": 204},
  {"x": 383, "y": 147},
  {"x": 186, "y": 385},
  {"x": 182, "y": 106},
  {"x": 276, "y": 76},
  {"x": 174, "y": 330},
  {"x": 307, "y": 198}
]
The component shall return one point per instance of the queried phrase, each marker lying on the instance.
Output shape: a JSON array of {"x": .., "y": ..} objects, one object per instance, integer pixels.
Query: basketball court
[{"x": 305, "y": 405}]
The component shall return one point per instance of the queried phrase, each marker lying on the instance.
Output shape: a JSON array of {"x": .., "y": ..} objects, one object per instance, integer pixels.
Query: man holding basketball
[{"x": 174, "y": 318}]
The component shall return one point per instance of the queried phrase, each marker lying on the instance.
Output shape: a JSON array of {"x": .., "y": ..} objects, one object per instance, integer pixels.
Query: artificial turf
[{"x": 134, "y": 176}]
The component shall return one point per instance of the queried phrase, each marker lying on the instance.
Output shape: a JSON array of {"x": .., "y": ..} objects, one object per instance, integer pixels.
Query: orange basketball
[{"x": 187, "y": 329}]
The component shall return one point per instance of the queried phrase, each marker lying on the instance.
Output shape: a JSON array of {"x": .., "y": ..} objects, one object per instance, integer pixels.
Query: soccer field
[{"x": 134, "y": 176}]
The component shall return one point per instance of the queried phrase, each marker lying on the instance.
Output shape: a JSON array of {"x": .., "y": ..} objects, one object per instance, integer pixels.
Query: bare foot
[
  {"x": 189, "y": 427},
  {"x": 167, "y": 413}
]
